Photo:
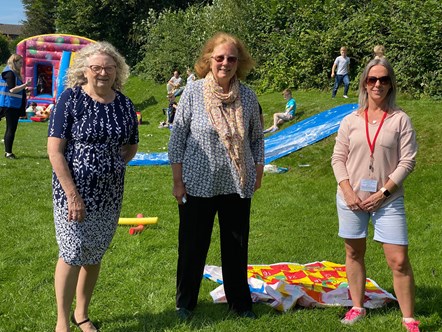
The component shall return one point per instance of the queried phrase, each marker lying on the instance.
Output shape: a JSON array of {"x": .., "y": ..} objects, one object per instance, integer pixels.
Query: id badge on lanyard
[{"x": 370, "y": 184}]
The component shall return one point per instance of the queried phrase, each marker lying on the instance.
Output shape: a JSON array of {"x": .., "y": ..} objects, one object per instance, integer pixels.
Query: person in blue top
[
  {"x": 288, "y": 115},
  {"x": 342, "y": 67},
  {"x": 12, "y": 99}
]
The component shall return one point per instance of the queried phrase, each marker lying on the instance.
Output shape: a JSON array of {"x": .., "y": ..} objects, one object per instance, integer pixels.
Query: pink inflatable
[{"x": 42, "y": 56}]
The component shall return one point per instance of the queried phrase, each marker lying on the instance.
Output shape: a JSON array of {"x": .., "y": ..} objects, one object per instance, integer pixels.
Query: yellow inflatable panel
[{"x": 138, "y": 221}]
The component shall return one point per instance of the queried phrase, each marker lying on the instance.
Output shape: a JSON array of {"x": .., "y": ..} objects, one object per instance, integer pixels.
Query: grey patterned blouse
[{"x": 194, "y": 142}]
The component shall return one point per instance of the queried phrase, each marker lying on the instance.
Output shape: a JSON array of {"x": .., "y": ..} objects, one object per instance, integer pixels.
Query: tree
[
  {"x": 295, "y": 41},
  {"x": 40, "y": 17},
  {"x": 109, "y": 20},
  {"x": 4, "y": 49}
]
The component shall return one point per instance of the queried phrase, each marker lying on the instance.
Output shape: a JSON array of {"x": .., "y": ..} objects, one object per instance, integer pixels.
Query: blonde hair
[
  {"x": 76, "y": 75},
  {"x": 245, "y": 61},
  {"x": 391, "y": 95},
  {"x": 11, "y": 63},
  {"x": 379, "y": 51}
]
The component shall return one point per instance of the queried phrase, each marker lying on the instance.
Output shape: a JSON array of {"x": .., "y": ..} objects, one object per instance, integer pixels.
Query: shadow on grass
[
  {"x": 298, "y": 115},
  {"x": 146, "y": 103},
  {"x": 32, "y": 156},
  {"x": 206, "y": 314}
]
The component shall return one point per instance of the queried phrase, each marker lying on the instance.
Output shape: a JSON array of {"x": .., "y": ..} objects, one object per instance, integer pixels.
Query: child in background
[
  {"x": 33, "y": 109},
  {"x": 342, "y": 67},
  {"x": 379, "y": 52},
  {"x": 288, "y": 115},
  {"x": 171, "y": 110}
]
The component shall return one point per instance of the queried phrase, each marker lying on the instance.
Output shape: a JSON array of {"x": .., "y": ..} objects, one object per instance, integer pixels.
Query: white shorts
[{"x": 389, "y": 222}]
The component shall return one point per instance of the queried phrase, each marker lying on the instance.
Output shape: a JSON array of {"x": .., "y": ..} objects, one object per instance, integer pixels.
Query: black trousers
[
  {"x": 12, "y": 116},
  {"x": 196, "y": 223}
]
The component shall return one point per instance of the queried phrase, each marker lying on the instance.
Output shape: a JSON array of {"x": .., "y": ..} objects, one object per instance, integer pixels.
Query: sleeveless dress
[{"x": 95, "y": 133}]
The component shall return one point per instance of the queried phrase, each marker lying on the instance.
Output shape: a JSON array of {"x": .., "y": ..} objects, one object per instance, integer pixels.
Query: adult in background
[
  {"x": 93, "y": 134},
  {"x": 216, "y": 151},
  {"x": 190, "y": 76},
  {"x": 342, "y": 68},
  {"x": 174, "y": 84},
  {"x": 12, "y": 99},
  {"x": 375, "y": 151}
]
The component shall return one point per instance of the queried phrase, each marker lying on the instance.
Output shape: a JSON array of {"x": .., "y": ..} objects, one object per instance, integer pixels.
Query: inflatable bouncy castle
[{"x": 46, "y": 59}]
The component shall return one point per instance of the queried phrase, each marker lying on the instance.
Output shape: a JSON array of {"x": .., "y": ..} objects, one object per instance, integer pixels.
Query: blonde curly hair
[{"x": 76, "y": 77}]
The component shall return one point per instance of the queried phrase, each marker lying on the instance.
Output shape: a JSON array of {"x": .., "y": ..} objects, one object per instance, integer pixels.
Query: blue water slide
[
  {"x": 305, "y": 132},
  {"x": 282, "y": 143}
]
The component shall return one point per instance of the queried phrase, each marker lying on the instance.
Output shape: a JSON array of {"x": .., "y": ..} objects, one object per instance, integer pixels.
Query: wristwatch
[{"x": 385, "y": 192}]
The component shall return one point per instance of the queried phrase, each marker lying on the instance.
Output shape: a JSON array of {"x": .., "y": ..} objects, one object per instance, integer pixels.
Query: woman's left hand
[{"x": 373, "y": 202}]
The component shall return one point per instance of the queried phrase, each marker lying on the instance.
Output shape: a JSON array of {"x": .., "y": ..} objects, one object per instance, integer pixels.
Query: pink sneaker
[
  {"x": 353, "y": 315},
  {"x": 411, "y": 326}
]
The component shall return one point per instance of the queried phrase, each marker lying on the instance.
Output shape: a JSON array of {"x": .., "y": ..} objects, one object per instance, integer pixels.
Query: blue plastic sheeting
[
  {"x": 62, "y": 71},
  {"x": 149, "y": 159},
  {"x": 305, "y": 132},
  {"x": 283, "y": 142}
]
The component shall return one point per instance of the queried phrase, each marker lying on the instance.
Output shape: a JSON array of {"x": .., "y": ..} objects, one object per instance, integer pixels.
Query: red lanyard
[{"x": 370, "y": 144}]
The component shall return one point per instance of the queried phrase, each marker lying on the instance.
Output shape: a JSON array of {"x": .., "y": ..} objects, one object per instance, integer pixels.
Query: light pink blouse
[{"x": 394, "y": 152}]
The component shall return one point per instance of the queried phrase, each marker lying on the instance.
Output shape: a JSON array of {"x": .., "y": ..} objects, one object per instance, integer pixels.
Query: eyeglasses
[
  {"x": 98, "y": 69},
  {"x": 372, "y": 80},
  {"x": 220, "y": 58}
]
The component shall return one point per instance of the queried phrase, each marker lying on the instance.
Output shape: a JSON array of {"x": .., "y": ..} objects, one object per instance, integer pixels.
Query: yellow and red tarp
[{"x": 284, "y": 285}]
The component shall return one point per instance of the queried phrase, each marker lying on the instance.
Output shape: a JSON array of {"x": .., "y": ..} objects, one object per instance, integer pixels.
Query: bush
[{"x": 295, "y": 42}]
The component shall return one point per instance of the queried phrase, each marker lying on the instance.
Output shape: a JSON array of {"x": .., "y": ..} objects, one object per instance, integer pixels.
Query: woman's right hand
[
  {"x": 76, "y": 208},
  {"x": 351, "y": 198},
  {"x": 179, "y": 192}
]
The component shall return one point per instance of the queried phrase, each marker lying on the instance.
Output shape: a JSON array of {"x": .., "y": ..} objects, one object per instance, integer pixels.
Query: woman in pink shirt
[{"x": 375, "y": 151}]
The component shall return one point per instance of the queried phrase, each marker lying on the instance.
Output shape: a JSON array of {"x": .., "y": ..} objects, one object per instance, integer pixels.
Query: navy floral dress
[{"x": 95, "y": 133}]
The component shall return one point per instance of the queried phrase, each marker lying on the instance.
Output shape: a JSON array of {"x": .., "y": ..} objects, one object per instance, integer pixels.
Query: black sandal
[{"x": 73, "y": 320}]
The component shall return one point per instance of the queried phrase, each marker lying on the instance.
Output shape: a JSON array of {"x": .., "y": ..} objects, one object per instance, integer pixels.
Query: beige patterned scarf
[{"x": 226, "y": 115}]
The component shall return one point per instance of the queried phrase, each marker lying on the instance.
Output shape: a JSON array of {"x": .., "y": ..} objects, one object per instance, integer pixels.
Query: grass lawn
[{"x": 293, "y": 220}]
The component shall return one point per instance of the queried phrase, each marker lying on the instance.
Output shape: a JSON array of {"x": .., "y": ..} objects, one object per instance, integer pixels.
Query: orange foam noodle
[{"x": 138, "y": 221}]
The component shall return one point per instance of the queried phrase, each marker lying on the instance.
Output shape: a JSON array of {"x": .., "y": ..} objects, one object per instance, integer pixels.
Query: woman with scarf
[{"x": 216, "y": 151}]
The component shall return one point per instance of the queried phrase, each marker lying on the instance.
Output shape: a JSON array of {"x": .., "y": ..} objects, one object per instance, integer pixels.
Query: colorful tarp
[
  {"x": 283, "y": 285},
  {"x": 288, "y": 140}
]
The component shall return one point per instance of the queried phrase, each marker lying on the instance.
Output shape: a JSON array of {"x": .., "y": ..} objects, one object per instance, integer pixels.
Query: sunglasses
[
  {"x": 220, "y": 58},
  {"x": 372, "y": 80},
  {"x": 98, "y": 69}
]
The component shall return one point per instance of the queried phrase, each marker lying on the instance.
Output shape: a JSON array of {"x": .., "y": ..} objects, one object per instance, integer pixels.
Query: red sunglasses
[{"x": 229, "y": 58}]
